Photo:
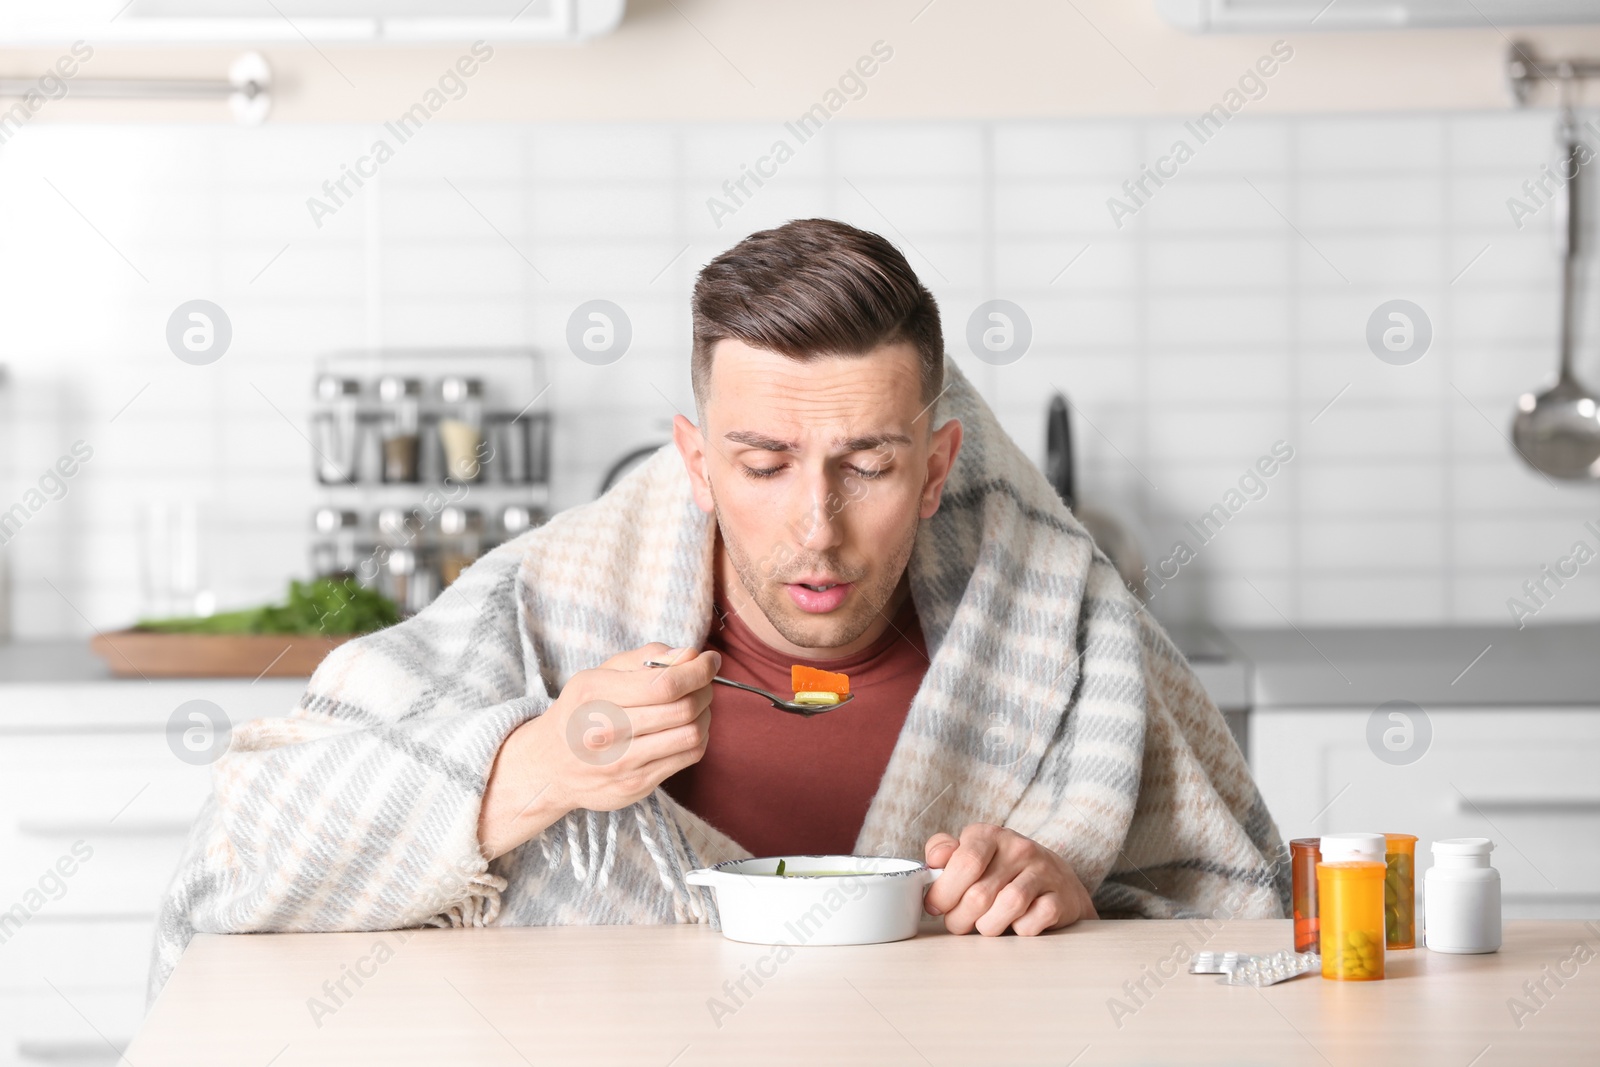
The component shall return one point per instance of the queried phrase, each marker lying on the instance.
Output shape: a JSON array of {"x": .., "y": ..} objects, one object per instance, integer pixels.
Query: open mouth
[{"x": 818, "y": 598}]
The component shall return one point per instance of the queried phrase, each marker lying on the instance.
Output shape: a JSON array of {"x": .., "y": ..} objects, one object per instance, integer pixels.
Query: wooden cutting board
[{"x": 145, "y": 654}]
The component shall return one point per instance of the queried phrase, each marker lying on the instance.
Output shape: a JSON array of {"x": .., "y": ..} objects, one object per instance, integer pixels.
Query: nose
[{"x": 816, "y": 525}]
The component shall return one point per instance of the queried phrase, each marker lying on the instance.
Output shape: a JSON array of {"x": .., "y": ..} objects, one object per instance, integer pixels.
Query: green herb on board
[
  {"x": 324, "y": 607},
  {"x": 780, "y": 868}
]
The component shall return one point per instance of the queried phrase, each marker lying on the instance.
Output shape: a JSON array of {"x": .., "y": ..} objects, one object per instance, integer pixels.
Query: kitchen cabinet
[
  {"x": 1522, "y": 776},
  {"x": 94, "y": 810}
]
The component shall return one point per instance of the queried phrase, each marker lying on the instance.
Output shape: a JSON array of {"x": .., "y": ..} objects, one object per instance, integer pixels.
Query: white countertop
[
  {"x": 1434, "y": 666},
  {"x": 1095, "y": 993}
]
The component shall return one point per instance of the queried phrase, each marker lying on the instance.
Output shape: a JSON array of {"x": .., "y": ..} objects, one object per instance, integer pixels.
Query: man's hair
[{"x": 812, "y": 288}]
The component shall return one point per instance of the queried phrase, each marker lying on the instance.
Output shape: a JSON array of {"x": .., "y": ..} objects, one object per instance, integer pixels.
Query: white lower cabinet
[
  {"x": 94, "y": 809},
  {"x": 77, "y": 1027},
  {"x": 1527, "y": 778}
]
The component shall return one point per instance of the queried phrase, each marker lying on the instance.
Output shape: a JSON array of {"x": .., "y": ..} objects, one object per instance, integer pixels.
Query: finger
[
  {"x": 1043, "y": 914},
  {"x": 962, "y": 869},
  {"x": 662, "y": 685},
  {"x": 653, "y": 718},
  {"x": 938, "y": 848},
  {"x": 963, "y": 916},
  {"x": 595, "y": 728},
  {"x": 673, "y": 741},
  {"x": 1011, "y": 903},
  {"x": 608, "y": 738},
  {"x": 659, "y": 770}
]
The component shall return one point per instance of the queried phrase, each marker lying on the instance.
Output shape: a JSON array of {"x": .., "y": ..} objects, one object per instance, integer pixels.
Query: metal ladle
[
  {"x": 794, "y": 707},
  {"x": 1558, "y": 431}
]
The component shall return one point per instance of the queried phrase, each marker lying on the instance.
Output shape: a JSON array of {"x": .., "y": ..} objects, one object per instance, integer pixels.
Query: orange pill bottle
[
  {"x": 1303, "y": 856},
  {"x": 1350, "y": 906},
  {"x": 1400, "y": 891}
]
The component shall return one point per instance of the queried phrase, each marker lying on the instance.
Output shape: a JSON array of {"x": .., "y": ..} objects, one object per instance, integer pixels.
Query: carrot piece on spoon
[{"x": 812, "y": 686}]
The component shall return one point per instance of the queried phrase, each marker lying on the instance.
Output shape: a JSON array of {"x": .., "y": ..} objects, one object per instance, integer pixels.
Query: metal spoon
[
  {"x": 807, "y": 710},
  {"x": 1558, "y": 431}
]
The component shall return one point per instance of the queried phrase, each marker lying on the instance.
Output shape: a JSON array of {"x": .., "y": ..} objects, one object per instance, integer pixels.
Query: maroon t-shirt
[{"x": 782, "y": 784}]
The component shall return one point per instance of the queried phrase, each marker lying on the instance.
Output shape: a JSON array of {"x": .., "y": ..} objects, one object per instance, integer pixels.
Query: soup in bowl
[{"x": 817, "y": 900}]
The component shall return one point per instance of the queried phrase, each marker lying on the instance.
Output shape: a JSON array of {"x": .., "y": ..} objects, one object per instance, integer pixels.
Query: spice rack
[{"x": 424, "y": 459}]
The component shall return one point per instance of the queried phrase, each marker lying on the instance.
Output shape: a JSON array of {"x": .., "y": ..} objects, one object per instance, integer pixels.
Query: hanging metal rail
[{"x": 247, "y": 89}]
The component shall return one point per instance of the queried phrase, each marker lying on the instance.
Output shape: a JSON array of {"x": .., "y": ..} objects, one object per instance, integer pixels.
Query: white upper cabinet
[
  {"x": 1263, "y": 16},
  {"x": 302, "y": 21}
]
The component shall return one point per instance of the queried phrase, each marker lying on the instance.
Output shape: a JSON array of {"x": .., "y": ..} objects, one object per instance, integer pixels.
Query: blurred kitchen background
[
  {"x": 587, "y": 167},
  {"x": 1226, "y": 314}
]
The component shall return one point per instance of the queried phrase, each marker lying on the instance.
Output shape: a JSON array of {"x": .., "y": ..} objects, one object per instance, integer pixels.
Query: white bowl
[{"x": 881, "y": 903}]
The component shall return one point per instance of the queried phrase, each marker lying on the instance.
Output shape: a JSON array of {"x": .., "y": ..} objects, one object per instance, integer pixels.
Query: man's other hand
[{"x": 996, "y": 879}]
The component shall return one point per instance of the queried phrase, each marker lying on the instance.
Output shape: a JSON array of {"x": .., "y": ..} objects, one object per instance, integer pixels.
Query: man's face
[{"x": 818, "y": 473}]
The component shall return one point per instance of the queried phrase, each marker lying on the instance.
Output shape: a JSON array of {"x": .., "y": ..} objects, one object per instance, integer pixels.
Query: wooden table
[{"x": 668, "y": 996}]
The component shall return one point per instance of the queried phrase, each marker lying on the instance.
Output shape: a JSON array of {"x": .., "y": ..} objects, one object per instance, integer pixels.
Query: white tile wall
[{"x": 1226, "y": 315}]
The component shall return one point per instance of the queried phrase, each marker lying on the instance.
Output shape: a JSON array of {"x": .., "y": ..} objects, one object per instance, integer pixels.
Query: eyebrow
[{"x": 863, "y": 443}]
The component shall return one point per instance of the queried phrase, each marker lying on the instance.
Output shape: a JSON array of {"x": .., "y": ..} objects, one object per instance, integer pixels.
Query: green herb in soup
[{"x": 813, "y": 874}]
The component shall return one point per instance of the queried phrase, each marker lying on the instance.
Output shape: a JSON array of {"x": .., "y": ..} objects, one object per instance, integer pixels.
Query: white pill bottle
[{"x": 1461, "y": 897}]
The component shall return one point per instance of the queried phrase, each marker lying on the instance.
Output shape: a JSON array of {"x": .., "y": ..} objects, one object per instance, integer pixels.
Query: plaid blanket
[{"x": 1053, "y": 704}]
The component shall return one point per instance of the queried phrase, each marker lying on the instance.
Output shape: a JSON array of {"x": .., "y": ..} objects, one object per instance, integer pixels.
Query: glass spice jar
[
  {"x": 460, "y": 541},
  {"x": 461, "y": 428},
  {"x": 402, "y": 398}
]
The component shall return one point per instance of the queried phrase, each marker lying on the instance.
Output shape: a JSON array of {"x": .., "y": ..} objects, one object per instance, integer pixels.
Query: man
[{"x": 846, "y": 501}]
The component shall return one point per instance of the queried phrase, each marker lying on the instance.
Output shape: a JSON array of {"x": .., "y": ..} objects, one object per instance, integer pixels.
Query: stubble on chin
[{"x": 799, "y": 628}]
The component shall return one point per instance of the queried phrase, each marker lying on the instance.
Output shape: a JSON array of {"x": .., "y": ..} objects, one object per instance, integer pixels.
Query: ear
[
  {"x": 692, "y": 447},
  {"x": 942, "y": 457}
]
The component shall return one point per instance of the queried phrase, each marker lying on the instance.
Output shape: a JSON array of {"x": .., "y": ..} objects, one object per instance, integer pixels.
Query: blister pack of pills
[
  {"x": 1213, "y": 962},
  {"x": 1239, "y": 968}
]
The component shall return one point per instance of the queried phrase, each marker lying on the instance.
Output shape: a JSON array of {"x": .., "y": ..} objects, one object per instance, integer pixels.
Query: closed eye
[{"x": 868, "y": 473}]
